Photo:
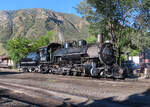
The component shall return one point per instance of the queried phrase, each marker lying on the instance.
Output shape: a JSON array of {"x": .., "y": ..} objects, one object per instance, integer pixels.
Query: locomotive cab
[
  {"x": 43, "y": 54},
  {"x": 46, "y": 53}
]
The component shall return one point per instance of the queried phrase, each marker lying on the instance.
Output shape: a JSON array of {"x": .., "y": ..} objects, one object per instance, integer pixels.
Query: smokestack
[{"x": 99, "y": 38}]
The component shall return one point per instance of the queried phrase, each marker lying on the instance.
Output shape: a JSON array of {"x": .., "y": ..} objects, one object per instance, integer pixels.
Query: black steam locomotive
[{"x": 77, "y": 58}]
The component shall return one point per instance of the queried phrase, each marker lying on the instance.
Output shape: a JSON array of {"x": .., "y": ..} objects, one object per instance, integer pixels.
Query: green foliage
[
  {"x": 134, "y": 52},
  {"x": 123, "y": 57},
  {"x": 42, "y": 41},
  {"x": 19, "y": 47},
  {"x": 111, "y": 18},
  {"x": 3, "y": 51},
  {"x": 91, "y": 39},
  {"x": 83, "y": 9},
  {"x": 143, "y": 18},
  {"x": 140, "y": 39}
]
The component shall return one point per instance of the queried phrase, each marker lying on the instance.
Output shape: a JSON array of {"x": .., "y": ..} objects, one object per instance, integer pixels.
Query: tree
[
  {"x": 112, "y": 19},
  {"x": 91, "y": 39},
  {"x": 17, "y": 48},
  {"x": 43, "y": 40},
  {"x": 83, "y": 9},
  {"x": 142, "y": 20}
]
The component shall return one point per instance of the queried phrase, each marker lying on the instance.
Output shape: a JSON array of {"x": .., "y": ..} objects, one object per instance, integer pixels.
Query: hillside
[{"x": 35, "y": 22}]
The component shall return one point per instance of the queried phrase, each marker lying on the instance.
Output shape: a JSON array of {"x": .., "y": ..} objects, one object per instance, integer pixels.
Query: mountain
[{"x": 35, "y": 22}]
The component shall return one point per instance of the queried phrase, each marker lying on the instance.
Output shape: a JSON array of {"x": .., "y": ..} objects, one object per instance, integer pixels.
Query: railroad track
[
  {"x": 129, "y": 79},
  {"x": 36, "y": 97},
  {"x": 44, "y": 96}
]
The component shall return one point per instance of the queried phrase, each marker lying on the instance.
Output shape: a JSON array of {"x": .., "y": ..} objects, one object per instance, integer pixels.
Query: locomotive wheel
[
  {"x": 64, "y": 73},
  {"x": 61, "y": 73},
  {"x": 68, "y": 73},
  {"x": 75, "y": 73},
  {"x": 25, "y": 70},
  {"x": 71, "y": 73},
  {"x": 117, "y": 72},
  {"x": 83, "y": 74},
  {"x": 78, "y": 73}
]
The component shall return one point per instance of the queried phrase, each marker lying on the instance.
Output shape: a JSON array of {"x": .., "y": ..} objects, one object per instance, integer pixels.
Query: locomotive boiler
[{"x": 76, "y": 58}]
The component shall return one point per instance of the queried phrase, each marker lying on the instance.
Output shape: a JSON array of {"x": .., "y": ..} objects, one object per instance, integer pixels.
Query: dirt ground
[{"x": 79, "y": 91}]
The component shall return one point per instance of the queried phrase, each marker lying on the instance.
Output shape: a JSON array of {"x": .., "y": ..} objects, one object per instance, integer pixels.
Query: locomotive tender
[{"x": 74, "y": 59}]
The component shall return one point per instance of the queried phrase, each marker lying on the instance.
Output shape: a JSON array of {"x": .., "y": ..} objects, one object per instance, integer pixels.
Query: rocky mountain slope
[{"x": 36, "y": 22}]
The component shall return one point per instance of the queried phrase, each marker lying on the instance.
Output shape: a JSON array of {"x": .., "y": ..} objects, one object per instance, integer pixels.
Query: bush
[
  {"x": 17, "y": 48},
  {"x": 91, "y": 39}
]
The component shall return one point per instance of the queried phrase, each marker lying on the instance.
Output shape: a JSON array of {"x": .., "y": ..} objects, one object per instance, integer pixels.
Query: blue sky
[{"x": 65, "y": 6}]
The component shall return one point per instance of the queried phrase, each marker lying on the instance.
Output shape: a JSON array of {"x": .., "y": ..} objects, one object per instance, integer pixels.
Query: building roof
[{"x": 4, "y": 57}]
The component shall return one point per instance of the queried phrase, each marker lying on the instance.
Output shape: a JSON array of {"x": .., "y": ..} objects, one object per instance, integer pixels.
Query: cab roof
[{"x": 51, "y": 45}]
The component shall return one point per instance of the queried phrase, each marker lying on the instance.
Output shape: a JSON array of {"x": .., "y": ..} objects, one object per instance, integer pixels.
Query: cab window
[{"x": 42, "y": 53}]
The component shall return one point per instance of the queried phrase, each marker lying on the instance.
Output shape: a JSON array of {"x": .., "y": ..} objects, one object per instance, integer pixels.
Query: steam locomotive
[{"x": 77, "y": 58}]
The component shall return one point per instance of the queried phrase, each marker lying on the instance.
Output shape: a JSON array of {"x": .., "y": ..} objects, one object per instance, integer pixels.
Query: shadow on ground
[
  {"x": 2, "y": 99},
  {"x": 9, "y": 73},
  {"x": 135, "y": 100}
]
